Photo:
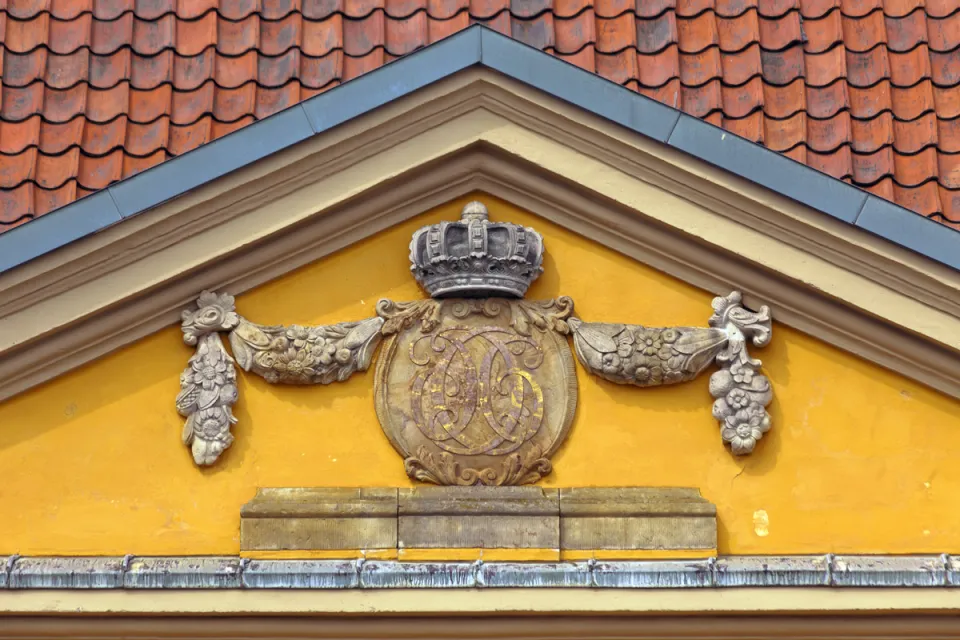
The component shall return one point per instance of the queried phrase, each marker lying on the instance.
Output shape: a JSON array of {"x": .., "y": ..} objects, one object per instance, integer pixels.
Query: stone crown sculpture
[{"x": 476, "y": 258}]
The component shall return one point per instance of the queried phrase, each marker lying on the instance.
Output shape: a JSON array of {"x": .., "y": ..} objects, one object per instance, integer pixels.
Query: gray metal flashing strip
[
  {"x": 135, "y": 573},
  {"x": 479, "y": 46}
]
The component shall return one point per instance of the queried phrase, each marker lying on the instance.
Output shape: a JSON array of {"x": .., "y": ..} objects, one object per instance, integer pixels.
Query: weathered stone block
[
  {"x": 636, "y": 518},
  {"x": 479, "y": 517},
  {"x": 319, "y": 519}
]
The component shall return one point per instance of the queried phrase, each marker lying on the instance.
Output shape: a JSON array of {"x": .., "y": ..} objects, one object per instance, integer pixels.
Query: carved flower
[
  {"x": 211, "y": 424},
  {"x": 648, "y": 375},
  {"x": 745, "y": 427},
  {"x": 669, "y": 335},
  {"x": 650, "y": 342},
  {"x": 670, "y": 356},
  {"x": 327, "y": 353},
  {"x": 295, "y": 364},
  {"x": 610, "y": 363},
  {"x": 298, "y": 335},
  {"x": 210, "y": 374},
  {"x": 649, "y": 372},
  {"x": 214, "y": 313},
  {"x": 343, "y": 356},
  {"x": 738, "y": 399},
  {"x": 625, "y": 341},
  {"x": 741, "y": 373}
]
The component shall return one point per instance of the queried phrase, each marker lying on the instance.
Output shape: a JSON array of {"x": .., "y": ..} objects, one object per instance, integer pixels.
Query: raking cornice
[{"x": 479, "y": 131}]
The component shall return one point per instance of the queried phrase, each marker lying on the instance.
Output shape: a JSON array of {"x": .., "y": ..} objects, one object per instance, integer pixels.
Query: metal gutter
[{"x": 207, "y": 572}]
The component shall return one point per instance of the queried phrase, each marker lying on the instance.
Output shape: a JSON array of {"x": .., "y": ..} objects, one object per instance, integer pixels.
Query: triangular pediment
[{"x": 477, "y": 131}]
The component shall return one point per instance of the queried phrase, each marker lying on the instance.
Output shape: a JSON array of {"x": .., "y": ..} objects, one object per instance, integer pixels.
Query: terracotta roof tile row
[
  {"x": 317, "y": 37},
  {"x": 94, "y": 91},
  {"x": 321, "y": 9}
]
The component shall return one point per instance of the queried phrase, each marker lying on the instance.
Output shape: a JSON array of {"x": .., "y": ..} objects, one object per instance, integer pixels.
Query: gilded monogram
[{"x": 467, "y": 397}]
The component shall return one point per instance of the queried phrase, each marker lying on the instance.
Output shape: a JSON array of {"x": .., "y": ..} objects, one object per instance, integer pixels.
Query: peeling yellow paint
[
  {"x": 92, "y": 462},
  {"x": 761, "y": 523}
]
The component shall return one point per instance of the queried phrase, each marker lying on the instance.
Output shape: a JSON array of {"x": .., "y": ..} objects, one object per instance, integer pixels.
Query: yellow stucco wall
[{"x": 858, "y": 460}]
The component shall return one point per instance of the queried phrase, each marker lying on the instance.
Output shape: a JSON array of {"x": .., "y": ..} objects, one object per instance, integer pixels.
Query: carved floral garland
[{"x": 621, "y": 353}]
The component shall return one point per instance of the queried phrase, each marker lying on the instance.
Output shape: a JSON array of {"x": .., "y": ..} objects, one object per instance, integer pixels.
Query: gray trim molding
[
  {"x": 479, "y": 46},
  {"x": 228, "y": 572}
]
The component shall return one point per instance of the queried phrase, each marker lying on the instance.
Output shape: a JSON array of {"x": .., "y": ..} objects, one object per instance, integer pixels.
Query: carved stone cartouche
[
  {"x": 476, "y": 258},
  {"x": 475, "y": 391}
]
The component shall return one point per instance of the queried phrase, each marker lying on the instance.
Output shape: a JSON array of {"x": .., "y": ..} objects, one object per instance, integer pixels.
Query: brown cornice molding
[
  {"x": 530, "y": 627},
  {"x": 477, "y": 131}
]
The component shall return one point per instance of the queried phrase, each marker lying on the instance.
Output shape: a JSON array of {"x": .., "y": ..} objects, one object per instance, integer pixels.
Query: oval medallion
[{"x": 476, "y": 391}]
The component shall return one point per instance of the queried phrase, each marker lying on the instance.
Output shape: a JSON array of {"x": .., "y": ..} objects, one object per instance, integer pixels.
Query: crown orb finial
[
  {"x": 475, "y": 210},
  {"x": 476, "y": 258}
]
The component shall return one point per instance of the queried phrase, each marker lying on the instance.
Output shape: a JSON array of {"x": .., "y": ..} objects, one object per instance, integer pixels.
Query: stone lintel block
[
  {"x": 319, "y": 519},
  {"x": 630, "y": 518},
  {"x": 479, "y": 517}
]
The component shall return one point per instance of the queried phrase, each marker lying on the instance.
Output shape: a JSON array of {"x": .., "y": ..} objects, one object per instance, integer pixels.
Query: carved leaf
[
  {"x": 445, "y": 469},
  {"x": 701, "y": 345},
  {"x": 187, "y": 435},
  {"x": 187, "y": 398},
  {"x": 598, "y": 336}
]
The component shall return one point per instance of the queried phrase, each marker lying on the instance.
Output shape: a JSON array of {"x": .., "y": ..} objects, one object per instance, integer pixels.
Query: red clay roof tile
[
  {"x": 948, "y": 135},
  {"x": 97, "y": 90},
  {"x": 824, "y": 32},
  {"x": 867, "y": 136}
]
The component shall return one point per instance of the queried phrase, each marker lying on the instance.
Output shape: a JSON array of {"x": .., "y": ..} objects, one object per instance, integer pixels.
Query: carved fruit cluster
[
  {"x": 208, "y": 386},
  {"x": 741, "y": 391}
]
